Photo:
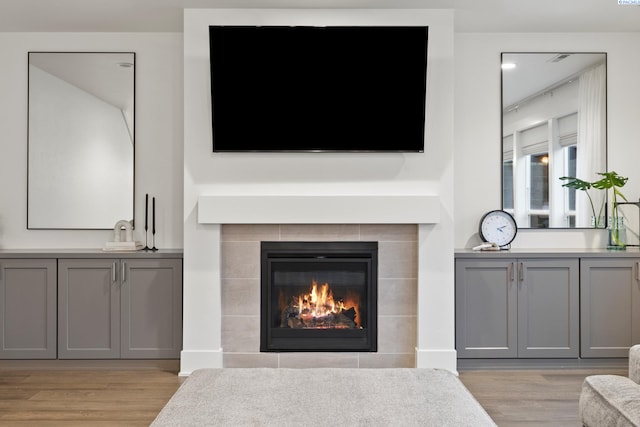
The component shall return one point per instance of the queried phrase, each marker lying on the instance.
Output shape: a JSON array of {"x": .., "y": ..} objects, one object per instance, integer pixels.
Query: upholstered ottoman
[{"x": 321, "y": 397}]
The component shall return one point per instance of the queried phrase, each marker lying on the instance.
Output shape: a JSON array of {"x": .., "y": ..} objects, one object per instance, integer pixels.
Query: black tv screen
[{"x": 303, "y": 88}]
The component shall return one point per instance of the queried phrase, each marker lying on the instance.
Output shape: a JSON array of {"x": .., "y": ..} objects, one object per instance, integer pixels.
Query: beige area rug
[{"x": 322, "y": 397}]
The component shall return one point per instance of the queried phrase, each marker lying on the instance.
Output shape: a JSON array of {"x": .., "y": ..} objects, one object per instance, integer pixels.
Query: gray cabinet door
[
  {"x": 28, "y": 308},
  {"x": 486, "y": 309},
  {"x": 151, "y": 308},
  {"x": 610, "y": 307},
  {"x": 88, "y": 309},
  {"x": 548, "y": 308}
]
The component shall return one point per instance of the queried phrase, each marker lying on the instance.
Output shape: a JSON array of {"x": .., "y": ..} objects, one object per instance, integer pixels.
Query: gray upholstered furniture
[
  {"x": 612, "y": 400},
  {"x": 322, "y": 396}
]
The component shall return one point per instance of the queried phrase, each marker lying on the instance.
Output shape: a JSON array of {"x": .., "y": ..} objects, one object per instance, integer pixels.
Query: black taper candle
[
  {"x": 146, "y": 212},
  {"x": 154, "y": 216}
]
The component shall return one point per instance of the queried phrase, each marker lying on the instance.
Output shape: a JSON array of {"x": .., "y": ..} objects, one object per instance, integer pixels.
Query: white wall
[
  {"x": 206, "y": 173},
  {"x": 478, "y": 134},
  {"x": 465, "y": 175},
  {"x": 159, "y": 133}
]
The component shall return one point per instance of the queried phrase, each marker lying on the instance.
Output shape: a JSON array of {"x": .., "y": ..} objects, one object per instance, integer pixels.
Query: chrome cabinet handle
[
  {"x": 510, "y": 272},
  {"x": 521, "y": 272},
  {"x": 124, "y": 266},
  {"x": 638, "y": 271},
  {"x": 113, "y": 272}
]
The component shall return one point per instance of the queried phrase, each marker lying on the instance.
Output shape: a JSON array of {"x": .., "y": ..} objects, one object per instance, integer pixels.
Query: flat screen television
[{"x": 308, "y": 89}]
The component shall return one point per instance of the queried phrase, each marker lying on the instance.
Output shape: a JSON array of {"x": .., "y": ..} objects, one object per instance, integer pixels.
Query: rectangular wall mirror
[
  {"x": 81, "y": 139},
  {"x": 554, "y": 124}
]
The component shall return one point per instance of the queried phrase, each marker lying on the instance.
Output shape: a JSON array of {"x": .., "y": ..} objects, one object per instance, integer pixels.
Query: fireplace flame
[
  {"x": 320, "y": 309},
  {"x": 318, "y": 303}
]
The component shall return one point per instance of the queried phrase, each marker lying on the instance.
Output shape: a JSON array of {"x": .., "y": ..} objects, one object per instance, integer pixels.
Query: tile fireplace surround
[
  {"x": 397, "y": 287},
  {"x": 221, "y": 325}
]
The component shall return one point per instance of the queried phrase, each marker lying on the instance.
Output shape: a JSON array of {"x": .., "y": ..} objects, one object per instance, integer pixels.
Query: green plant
[
  {"x": 609, "y": 181},
  {"x": 613, "y": 181},
  {"x": 579, "y": 184}
]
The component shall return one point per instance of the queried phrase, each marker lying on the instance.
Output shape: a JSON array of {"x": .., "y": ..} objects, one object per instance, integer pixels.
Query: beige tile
[
  {"x": 320, "y": 232},
  {"x": 241, "y": 297},
  {"x": 389, "y": 232},
  {"x": 398, "y": 260},
  {"x": 381, "y": 360},
  {"x": 254, "y": 360},
  {"x": 249, "y": 232},
  {"x": 397, "y": 334},
  {"x": 397, "y": 297},
  {"x": 241, "y": 334},
  {"x": 240, "y": 260},
  {"x": 318, "y": 360},
  {"x": 397, "y": 294}
]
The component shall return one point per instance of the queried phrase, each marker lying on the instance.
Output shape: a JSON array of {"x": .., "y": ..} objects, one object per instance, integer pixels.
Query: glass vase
[{"x": 617, "y": 234}]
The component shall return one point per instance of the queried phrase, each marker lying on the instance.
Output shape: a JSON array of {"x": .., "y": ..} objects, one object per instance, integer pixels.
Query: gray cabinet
[
  {"x": 28, "y": 308},
  {"x": 549, "y": 308},
  {"x": 486, "y": 309},
  {"x": 151, "y": 309},
  {"x": 610, "y": 302},
  {"x": 119, "y": 308},
  {"x": 88, "y": 309},
  {"x": 508, "y": 308}
]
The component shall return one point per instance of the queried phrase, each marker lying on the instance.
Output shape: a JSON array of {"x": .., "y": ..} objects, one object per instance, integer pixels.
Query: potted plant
[{"x": 609, "y": 180}]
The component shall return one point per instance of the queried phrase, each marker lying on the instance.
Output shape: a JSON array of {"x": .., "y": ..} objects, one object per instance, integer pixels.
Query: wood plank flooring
[
  {"x": 73, "y": 394},
  {"x": 90, "y": 396},
  {"x": 526, "y": 397}
]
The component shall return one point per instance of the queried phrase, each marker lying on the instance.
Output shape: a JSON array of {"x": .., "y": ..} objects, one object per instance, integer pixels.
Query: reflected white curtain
[{"x": 591, "y": 139}]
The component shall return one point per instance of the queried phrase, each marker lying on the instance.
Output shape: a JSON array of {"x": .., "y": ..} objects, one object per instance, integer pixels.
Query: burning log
[
  {"x": 350, "y": 313},
  {"x": 289, "y": 312},
  {"x": 317, "y": 310},
  {"x": 293, "y": 323},
  {"x": 291, "y": 318}
]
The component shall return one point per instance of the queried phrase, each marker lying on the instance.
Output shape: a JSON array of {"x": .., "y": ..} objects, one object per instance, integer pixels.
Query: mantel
[{"x": 304, "y": 209}]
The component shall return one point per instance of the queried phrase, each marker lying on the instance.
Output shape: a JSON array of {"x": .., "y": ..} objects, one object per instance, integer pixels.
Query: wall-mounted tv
[{"x": 307, "y": 89}]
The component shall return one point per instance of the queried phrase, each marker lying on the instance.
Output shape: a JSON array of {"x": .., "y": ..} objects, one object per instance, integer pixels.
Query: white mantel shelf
[{"x": 335, "y": 209}]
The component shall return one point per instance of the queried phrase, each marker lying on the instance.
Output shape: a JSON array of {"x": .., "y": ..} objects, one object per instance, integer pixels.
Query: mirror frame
[
  {"x": 103, "y": 94},
  {"x": 547, "y": 89}
]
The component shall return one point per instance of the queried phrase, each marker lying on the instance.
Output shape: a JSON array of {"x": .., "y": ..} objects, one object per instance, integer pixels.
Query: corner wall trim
[
  {"x": 437, "y": 359},
  {"x": 190, "y": 360}
]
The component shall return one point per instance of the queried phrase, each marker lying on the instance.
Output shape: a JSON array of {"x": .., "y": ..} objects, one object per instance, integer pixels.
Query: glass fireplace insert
[{"x": 318, "y": 296}]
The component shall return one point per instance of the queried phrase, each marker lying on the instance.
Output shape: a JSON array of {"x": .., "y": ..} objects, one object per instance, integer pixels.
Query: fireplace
[{"x": 318, "y": 296}]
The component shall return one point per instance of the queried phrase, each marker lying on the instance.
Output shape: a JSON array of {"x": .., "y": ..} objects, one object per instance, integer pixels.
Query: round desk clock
[{"x": 498, "y": 227}]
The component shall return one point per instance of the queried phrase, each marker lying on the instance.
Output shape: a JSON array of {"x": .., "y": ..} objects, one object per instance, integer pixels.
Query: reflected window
[
  {"x": 571, "y": 154},
  {"x": 539, "y": 221},
  {"x": 538, "y": 190},
  {"x": 539, "y": 181},
  {"x": 507, "y": 185}
]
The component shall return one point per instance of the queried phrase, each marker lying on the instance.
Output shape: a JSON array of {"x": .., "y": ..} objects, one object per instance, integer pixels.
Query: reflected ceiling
[{"x": 534, "y": 73}]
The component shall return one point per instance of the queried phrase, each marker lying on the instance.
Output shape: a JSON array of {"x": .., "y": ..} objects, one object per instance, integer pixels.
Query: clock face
[{"x": 498, "y": 227}]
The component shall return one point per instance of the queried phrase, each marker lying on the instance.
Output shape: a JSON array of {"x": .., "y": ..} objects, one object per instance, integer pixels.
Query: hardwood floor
[
  {"x": 130, "y": 394},
  {"x": 126, "y": 395},
  {"x": 527, "y": 397}
]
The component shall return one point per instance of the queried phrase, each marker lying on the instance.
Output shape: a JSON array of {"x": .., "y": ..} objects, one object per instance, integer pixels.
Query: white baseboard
[
  {"x": 438, "y": 359},
  {"x": 190, "y": 360}
]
